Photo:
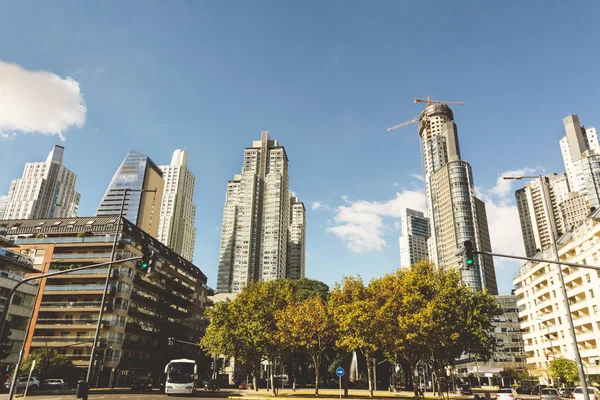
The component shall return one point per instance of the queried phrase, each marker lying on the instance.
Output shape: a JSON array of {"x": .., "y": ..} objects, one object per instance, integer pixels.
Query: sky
[{"x": 325, "y": 78}]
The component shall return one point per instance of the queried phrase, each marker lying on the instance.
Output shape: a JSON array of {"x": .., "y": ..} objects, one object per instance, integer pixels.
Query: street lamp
[
  {"x": 562, "y": 280},
  {"x": 108, "y": 275}
]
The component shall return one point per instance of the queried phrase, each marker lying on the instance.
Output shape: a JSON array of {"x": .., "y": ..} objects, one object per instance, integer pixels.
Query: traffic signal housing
[
  {"x": 171, "y": 341},
  {"x": 468, "y": 259},
  {"x": 148, "y": 261}
]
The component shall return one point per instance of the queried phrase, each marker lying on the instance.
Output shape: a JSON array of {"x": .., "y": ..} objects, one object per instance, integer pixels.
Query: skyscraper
[
  {"x": 178, "y": 212},
  {"x": 296, "y": 262},
  {"x": 137, "y": 172},
  {"x": 254, "y": 236},
  {"x": 581, "y": 154},
  {"x": 46, "y": 190},
  {"x": 414, "y": 233},
  {"x": 456, "y": 214},
  {"x": 532, "y": 211}
]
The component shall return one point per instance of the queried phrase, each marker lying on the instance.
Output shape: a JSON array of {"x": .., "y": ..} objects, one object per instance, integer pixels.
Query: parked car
[
  {"x": 537, "y": 389},
  {"x": 55, "y": 384},
  {"x": 578, "y": 393},
  {"x": 211, "y": 385},
  {"x": 549, "y": 394},
  {"x": 524, "y": 390},
  {"x": 465, "y": 390},
  {"x": 141, "y": 384},
  {"x": 34, "y": 383},
  {"x": 565, "y": 393},
  {"x": 243, "y": 386},
  {"x": 508, "y": 394}
]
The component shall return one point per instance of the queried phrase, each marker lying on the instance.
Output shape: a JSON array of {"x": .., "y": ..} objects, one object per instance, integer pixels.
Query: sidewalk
[{"x": 302, "y": 394}]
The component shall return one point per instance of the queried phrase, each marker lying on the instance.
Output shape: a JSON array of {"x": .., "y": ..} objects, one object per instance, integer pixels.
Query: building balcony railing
[
  {"x": 65, "y": 339},
  {"x": 16, "y": 258},
  {"x": 71, "y": 304},
  {"x": 73, "y": 287},
  {"x": 70, "y": 256},
  {"x": 91, "y": 271},
  {"x": 69, "y": 321},
  {"x": 78, "y": 357},
  {"x": 87, "y": 239},
  {"x": 16, "y": 277}
]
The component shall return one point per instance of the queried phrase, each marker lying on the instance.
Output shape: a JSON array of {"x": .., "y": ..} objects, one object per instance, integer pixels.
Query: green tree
[
  {"x": 354, "y": 309},
  {"x": 48, "y": 364},
  {"x": 307, "y": 326},
  {"x": 564, "y": 369}
]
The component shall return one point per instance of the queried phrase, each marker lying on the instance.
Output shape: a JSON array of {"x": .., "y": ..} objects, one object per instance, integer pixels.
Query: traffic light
[
  {"x": 468, "y": 259},
  {"x": 148, "y": 262},
  {"x": 171, "y": 342}
]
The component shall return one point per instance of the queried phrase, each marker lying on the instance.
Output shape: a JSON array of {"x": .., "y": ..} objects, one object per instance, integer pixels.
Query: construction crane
[{"x": 429, "y": 102}]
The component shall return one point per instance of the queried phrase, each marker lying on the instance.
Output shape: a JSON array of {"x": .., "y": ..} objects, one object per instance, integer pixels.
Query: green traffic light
[
  {"x": 470, "y": 261},
  {"x": 144, "y": 265}
]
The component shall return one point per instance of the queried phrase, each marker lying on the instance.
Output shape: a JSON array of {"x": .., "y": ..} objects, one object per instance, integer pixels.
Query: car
[
  {"x": 507, "y": 394},
  {"x": 578, "y": 393},
  {"x": 465, "y": 390},
  {"x": 55, "y": 383},
  {"x": 243, "y": 386},
  {"x": 141, "y": 384},
  {"x": 565, "y": 393},
  {"x": 34, "y": 383},
  {"x": 537, "y": 389},
  {"x": 524, "y": 390},
  {"x": 211, "y": 385},
  {"x": 549, "y": 394}
]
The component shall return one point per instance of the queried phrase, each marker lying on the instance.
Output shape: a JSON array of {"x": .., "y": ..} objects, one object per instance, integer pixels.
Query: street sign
[{"x": 340, "y": 371}]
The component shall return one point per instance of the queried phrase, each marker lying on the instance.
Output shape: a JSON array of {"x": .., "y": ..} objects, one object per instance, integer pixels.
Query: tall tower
[
  {"x": 296, "y": 262},
  {"x": 46, "y": 190},
  {"x": 456, "y": 214},
  {"x": 178, "y": 212},
  {"x": 414, "y": 233},
  {"x": 577, "y": 144},
  {"x": 137, "y": 172},
  {"x": 254, "y": 236}
]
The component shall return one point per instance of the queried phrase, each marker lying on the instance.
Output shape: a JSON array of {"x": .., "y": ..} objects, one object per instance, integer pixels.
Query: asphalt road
[{"x": 156, "y": 395}]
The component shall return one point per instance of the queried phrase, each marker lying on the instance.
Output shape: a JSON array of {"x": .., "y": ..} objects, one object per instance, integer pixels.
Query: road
[{"x": 156, "y": 395}]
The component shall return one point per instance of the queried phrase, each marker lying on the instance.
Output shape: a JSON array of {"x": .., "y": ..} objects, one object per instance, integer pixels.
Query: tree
[
  {"x": 307, "y": 326},
  {"x": 48, "y": 364},
  {"x": 564, "y": 369},
  {"x": 354, "y": 308}
]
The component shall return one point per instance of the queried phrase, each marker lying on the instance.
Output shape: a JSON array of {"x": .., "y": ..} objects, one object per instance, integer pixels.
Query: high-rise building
[
  {"x": 254, "y": 236},
  {"x": 581, "y": 154},
  {"x": 137, "y": 172},
  {"x": 574, "y": 210},
  {"x": 542, "y": 309},
  {"x": 296, "y": 253},
  {"x": 46, "y": 190},
  {"x": 532, "y": 210},
  {"x": 414, "y": 232},
  {"x": 178, "y": 212},
  {"x": 456, "y": 215}
]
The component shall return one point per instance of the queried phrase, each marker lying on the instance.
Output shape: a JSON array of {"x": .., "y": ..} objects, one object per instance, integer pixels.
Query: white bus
[{"x": 182, "y": 376}]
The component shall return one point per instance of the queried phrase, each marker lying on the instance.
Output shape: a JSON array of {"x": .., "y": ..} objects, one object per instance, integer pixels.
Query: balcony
[
  {"x": 73, "y": 288},
  {"x": 64, "y": 341},
  {"x": 87, "y": 239},
  {"x": 70, "y": 305},
  {"x": 15, "y": 258},
  {"x": 68, "y": 323},
  {"x": 85, "y": 256}
]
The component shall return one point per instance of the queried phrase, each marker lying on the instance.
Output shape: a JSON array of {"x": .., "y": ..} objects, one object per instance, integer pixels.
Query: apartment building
[
  {"x": 296, "y": 253},
  {"x": 542, "y": 309},
  {"x": 13, "y": 268},
  {"x": 46, "y": 190},
  {"x": 577, "y": 141},
  {"x": 140, "y": 313},
  {"x": 414, "y": 232}
]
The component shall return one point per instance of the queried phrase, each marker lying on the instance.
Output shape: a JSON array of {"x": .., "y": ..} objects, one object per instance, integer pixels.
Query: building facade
[
  {"x": 573, "y": 145},
  {"x": 140, "y": 313},
  {"x": 574, "y": 210},
  {"x": 456, "y": 215},
  {"x": 256, "y": 216},
  {"x": 532, "y": 203},
  {"x": 542, "y": 309},
  {"x": 13, "y": 268},
  {"x": 414, "y": 232},
  {"x": 177, "y": 212},
  {"x": 296, "y": 262},
  {"x": 136, "y": 172},
  {"x": 46, "y": 190}
]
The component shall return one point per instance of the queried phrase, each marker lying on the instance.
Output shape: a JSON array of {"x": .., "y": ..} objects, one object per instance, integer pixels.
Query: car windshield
[
  {"x": 548, "y": 391},
  {"x": 466, "y": 387},
  {"x": 580, "y": 390},
  {"x": 181, "y": 373},
  {"x": 505, "y": 391}
]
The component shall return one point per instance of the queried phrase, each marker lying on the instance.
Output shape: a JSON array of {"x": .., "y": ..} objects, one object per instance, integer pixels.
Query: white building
[
  {"x": 542, "y": 309},
  {"x": 46, "y": 190},
  {"x": 577, "y": 141},
  {"x": 178, "y": 212},
  {"x": 296, "y": 263},
  {"x": 414, "y": 232},
  {"x": 532, "y": 210},
  {"x": 254, "y": 236}
]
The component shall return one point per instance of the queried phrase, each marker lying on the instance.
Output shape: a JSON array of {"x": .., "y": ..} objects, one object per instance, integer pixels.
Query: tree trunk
[
  {"x": 254, "y": 375},
  {"x": 317, "y": 374},
  {"x": 369, "y": 373},
  {"x": 347, "y": 366},
  {"x": 272, "y": 377}
]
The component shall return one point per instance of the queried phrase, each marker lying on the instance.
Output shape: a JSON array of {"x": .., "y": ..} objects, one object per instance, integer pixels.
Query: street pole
[
  {"x": 562, "y": 284},
  {"x": 108, "y": 275}
]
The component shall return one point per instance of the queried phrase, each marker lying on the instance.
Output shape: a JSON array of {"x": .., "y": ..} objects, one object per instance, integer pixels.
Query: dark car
[
  {"x": 536, "y": 389},
  {"x": 566, "y": 393},
  {"x": 523, "y": 390},
  {"x": 141, "y": 384},
  {"x": 211, "y": 385},
  {"x": 465, "y": 390}
]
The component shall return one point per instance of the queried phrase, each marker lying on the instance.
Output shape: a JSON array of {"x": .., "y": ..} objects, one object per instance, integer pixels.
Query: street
[{"x": 155, "y": 395}]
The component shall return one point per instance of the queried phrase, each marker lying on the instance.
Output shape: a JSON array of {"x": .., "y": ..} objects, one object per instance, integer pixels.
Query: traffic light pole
[
  {"x": 12, "y": 292},
  {"x": 570, "y": 264}
]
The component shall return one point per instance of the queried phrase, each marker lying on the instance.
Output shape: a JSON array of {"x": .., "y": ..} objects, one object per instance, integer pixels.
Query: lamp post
[
  {"x": 562, "y": 279},
  {"x": 108, "y": 275}
]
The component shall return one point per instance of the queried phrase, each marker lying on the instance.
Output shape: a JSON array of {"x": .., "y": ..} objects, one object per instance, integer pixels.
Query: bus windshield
[{"x": 180, "y": 373}]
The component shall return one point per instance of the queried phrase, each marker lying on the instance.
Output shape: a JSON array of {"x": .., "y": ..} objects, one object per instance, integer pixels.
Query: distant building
[
  {"x": 177, "y": 213},
  {"x": 532, "y": 210},
  {"x": 542, "y": 309},
  {"x": 46, "y": 190},
  {"x": 414, "y": 233},
  {"x": 13, "y": 268},
  {"x": 574, "y": 210},
  {"x": 140, "y": 314},
  {"x": 137, "y": 172},
  {"x": 296, "y": 262},
  {"x": 456, "y": 215}
]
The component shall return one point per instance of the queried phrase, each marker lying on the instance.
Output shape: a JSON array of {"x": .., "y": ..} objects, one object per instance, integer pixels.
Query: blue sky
[{"x": 326, "y": 78}]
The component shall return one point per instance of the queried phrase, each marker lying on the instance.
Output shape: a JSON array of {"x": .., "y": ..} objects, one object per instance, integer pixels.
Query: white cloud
[
  {"x": 362, "y": 224},
  {"x": 317, "y": 205},
  {"x": 38, "y": 102},
  {"x": 504, "y": 187},
  {"x": 418, "y": 177}
]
